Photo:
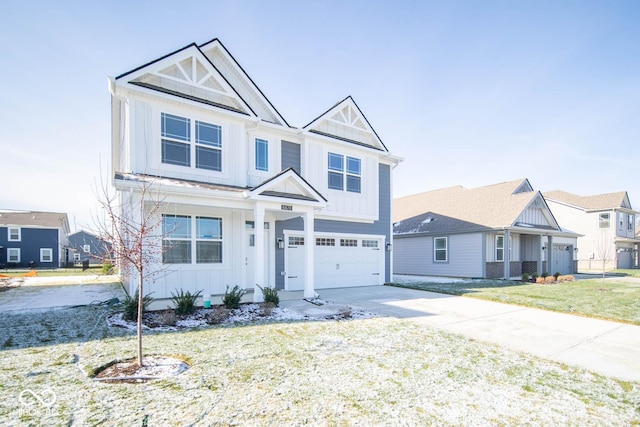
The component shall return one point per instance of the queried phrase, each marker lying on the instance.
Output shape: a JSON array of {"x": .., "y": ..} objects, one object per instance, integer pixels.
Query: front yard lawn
[
  {"x": 379, "y": 371},
  {"x": 55, "y": 272},
  {"x": 618, "y": 299}
]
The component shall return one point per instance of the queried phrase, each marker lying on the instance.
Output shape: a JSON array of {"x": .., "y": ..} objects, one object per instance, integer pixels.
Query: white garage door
[{"x": 339, "y": 261}]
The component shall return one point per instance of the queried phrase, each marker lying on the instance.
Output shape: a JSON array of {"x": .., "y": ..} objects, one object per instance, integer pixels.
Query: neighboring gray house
[
  {"x": 461, "y": 232},
  {"x": 607, "y": 224},
  {"x": 86, "y": 246},
  {"x": 33, "y": 239}
]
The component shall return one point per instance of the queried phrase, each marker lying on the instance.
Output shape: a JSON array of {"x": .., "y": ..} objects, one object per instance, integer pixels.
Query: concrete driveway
[
  {"x": 605, "y": 347},
  {"x": 46, "y": 293}
]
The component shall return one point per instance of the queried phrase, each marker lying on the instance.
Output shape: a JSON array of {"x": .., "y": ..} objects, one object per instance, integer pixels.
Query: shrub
[
  {"x": 567, "y": 278},
  {"x": 231, "y": 299},
  {"x": 556, "y": 275},
  {"x": 185, "y": 302},
  {"x": 549, "y": 279},
  {"x": 131, "y": 306},
  {"x": 270, "y": 295},
  {"x": 539, "y": 279},
  {"x": 267, "y": 308},
  {"x": 544, "y": 275},
  {"x": 525, "y": 277},
  {"x": 107, "y": 268},
  {"x": 534, "y": 276}
]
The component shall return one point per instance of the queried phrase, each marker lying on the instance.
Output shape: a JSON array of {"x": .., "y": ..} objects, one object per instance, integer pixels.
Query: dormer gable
[
  {"x": 525, "y": 187},
  {"x": 287, "y": 185},
  {"x": 345, "y": 122},
  {"x": 187, "y": 73},
  {"x": 537, "y": 215}
]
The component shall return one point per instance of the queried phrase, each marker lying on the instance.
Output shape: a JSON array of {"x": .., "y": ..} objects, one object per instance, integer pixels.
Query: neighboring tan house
[
  {"x": 86, "y": 246},
  {"x": 33, "y": 239},
  {"x": 246, "y": 198},
  {"x": 497, "y": 231},
  {"x": 607, "y": 223}
]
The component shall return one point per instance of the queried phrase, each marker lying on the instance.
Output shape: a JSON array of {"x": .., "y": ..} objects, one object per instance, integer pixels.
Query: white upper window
[
  {"x": 630, "y": 221},
  {"x": 86, "y": 248},
  {"x": 177, "y": 143},
  {"x": 14, "y": 234},
  {"x": 344, "y": 173},
  {"x": 604, "y": 220},
  {"x": 262, "y": 154},
  {"x": 46, "y": 255}
]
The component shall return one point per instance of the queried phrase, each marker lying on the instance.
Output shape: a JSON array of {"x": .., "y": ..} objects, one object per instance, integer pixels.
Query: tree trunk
[{"x": 140, "y": 306}]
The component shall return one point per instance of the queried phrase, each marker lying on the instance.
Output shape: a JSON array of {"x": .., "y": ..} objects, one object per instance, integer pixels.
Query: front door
[{"x": 250, "y": 240}]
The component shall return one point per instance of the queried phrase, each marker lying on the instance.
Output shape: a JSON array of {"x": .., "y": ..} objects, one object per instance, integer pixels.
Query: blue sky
[{"x": 470, "y": 92}]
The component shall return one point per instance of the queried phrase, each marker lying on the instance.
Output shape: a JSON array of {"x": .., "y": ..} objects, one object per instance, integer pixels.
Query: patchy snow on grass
[{"x": 406, "y": 278}]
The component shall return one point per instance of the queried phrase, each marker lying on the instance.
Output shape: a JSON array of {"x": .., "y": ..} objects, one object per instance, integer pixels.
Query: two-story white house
[
  {"x": 246, "y": 198},
  {"x": 607, "y": 224}
]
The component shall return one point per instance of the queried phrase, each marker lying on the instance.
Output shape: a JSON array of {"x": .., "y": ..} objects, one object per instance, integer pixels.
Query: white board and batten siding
[{"x": 415, "y": 255}]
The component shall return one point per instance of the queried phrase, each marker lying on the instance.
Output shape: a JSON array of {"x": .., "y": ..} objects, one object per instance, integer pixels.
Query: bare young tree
[
  {"x": 131, "y": 225},
  {"x": 604, "y": 248}
]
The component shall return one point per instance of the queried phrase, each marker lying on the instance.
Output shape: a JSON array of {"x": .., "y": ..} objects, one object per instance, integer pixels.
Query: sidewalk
[{"x": 601, "y": 346}]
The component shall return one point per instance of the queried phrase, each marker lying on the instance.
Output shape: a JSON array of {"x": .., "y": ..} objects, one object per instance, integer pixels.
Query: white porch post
[
  {"x": 540, "y": 256},
  {"x": 258, "y": 267},
  {"x": 507, "y": 255},
  {"x": 309, "y": 261},
  {"x": 550, "y": 256}
]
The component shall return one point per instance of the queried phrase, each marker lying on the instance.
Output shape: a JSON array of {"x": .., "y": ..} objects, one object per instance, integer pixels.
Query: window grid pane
[
  {"x": 176, "y": 153},
  {"x": 176, "y": 226},
  {"x": 208, "y": 252},
  {"x": 336, "y": 162},
  {"x": 176, "y": 251},
  {"x": 176, "y": 127},
  {"x": 335, "y": 181},
  {"x": 353, "y": 166},
  {"x": 208, "y": 228},
  {"x": 208, "y": 158},
  {"x": 353, "y": 184},
  {"x": 262, "y": 155},
  {"x": 208, "y": 134}
]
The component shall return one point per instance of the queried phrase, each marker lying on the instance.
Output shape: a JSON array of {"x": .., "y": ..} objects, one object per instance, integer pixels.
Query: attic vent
[{"x": 427, "y": 220}]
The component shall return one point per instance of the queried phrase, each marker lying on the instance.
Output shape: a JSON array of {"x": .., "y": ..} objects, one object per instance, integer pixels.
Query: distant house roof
[
  {"x": 492, "y": 206},
  {"x": 35, "y": 219},
  {"x": 615, "y": 200},
  {"x": 433, "y": 223}
]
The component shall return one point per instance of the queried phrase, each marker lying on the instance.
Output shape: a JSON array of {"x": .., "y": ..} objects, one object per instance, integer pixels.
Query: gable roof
[
  {"x": 207, "y": 74},
  {"x": 345, "y": 122},
  {"x": 35, "y": 219},
  {"x": 605, "y": 201},
  {"x": 433, "y": 223},
  {"x": 494, "y": 206},
  {"x": 287, "y": 184}
]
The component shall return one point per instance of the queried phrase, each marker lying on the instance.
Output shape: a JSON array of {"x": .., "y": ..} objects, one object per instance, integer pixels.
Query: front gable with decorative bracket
[{"x": 287, "y": 186}]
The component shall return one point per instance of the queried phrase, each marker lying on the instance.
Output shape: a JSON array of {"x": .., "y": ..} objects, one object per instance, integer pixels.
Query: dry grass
[{"x": 378, "y": 371}]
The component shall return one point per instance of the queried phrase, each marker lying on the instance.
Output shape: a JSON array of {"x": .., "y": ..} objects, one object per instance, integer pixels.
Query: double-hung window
[
  {"x": 208, "y": 240},
  {"x": 344, "y": 173},
  {"x": 14, "y": 234},
  {"x": 630, "y": 222},
  {"x": 500, "y": 247},
  {"x": 178, "y": 243},
  {"x": 13, "y": 255},
  {"x": 440, "y": 251},
  {"x": 262, "y": 154},
  {"x": 604, "y": 220},
  {"x": 176, "y": 136},
  {"x": 46, "y": 255},
  {"x": 208, "y": 146}
]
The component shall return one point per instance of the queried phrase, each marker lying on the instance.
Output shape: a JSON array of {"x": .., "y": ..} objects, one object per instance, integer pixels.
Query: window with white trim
[
  {"x": 604, "y": 220},
  {"x": 630, "y": 221},
  {"x": 620, "y": 220},
  {"x": 176, "y": 134},
  {"x": 76, "y": 256},
  {"x": 14, "y": 234},
  {"x": 13, "y": 255},
  {"x": 178, "y": 245},
  {"x": 440, "y": 249},
  {"x": 500, "y": 247},
  {"x": 46, "y": 255},
  {"x": 86, "y": 248},
  {"x": 262, "y": 154},
  {"x": 344, "y": 173},
  {"x": 296, "y": 241}
]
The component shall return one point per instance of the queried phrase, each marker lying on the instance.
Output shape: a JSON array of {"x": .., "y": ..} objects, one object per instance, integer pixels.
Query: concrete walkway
[{"x": 605, "y": 347}]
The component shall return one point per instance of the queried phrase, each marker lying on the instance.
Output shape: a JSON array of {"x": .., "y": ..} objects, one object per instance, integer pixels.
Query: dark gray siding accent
[
  {"x": 381, "y": 227},
  {"x": 290, "y": 156},
  {"x": 31, "y": 241},
  {"x": 99, "y": 250}
]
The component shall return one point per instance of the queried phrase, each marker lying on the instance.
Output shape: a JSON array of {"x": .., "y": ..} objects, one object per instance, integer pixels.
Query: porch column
[
  {"x": 550, "y": 256},
  {"x": 309, "y": 259},
  {"x": 258, "y": 272},
  {"x": 507, "y": 255},
  {"x": 540, "y": 255}
]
